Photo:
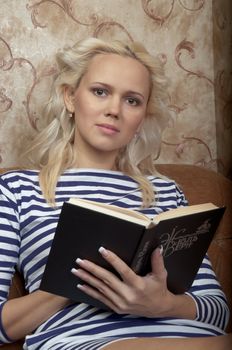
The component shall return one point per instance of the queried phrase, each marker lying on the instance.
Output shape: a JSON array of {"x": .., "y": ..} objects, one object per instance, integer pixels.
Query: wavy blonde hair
[{"x": 52, "y": 147}]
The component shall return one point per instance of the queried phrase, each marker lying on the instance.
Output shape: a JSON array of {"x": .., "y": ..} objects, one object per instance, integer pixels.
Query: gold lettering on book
[{"x": 179, "y": 239}]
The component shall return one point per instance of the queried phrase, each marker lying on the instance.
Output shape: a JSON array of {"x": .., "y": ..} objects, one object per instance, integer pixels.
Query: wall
[
  {"x": 180, "y": 31},
  {"x": 222, "y": 45}
]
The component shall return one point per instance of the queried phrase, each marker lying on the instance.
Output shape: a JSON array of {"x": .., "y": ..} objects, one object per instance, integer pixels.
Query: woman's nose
[{"x": 113, "y": 107}]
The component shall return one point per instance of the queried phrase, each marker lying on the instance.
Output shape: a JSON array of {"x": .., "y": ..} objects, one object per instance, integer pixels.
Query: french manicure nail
[
  {"x": 79, "y": 261},
  {"x": 161, "y": 249},
  {"x": 103, "y": 251},
  {"x": 73, "y": 270}
]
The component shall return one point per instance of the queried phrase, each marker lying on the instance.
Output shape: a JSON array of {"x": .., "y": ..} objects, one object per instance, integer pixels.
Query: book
[{"x": 185, "y": 234}]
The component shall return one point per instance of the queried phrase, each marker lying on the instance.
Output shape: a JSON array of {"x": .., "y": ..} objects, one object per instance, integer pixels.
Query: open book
[{"x": 185, "y": 234}]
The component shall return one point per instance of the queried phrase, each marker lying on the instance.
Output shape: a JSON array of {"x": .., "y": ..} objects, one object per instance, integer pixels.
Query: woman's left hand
[{"x": 132, "y": 294}]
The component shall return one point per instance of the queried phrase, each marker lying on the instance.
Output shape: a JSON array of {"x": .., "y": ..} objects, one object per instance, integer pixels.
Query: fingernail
[
  {"x": 73, "y": 270},
  {"x": 79, "y": 286},
  {"x": 79, "y": 261},
  {"x": 161, "y": 249},
  {"x": 103, "y": 251}
]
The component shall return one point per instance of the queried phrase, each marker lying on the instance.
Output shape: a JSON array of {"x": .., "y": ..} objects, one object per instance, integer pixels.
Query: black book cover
[
  {"x": 185, "y": 242},
  {"x": 80, "y": 232}
]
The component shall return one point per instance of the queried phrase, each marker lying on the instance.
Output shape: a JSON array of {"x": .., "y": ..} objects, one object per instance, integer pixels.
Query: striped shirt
[{"x": 28, "y": 224}]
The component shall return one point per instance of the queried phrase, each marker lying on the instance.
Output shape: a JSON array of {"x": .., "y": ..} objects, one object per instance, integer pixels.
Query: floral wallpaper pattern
[{"x": 192, "y": 37}]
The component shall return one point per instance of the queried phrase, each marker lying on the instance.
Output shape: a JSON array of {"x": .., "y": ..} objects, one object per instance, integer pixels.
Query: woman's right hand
[
  {"x": 146, "y": 296},
  {"x": 21, "y": 316}
]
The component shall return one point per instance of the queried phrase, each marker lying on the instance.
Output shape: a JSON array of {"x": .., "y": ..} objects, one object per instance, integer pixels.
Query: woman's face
[{"x": 109, "y": 104}]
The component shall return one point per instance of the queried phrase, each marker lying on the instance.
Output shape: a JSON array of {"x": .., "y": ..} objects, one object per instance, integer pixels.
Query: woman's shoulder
[
  {"x": 161, "y": 181},
  {"x": 168, "y": 188},
  {"x": 19, "y": 175}
]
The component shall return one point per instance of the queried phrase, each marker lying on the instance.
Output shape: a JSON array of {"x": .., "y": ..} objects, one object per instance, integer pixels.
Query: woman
[{"x": 104, "y": 123}]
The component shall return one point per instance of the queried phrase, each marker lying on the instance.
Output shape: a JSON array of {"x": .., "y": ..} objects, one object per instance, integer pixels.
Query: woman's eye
[
  {"x": 99, "y": 92},
  {"x": 133, "y": 101}
]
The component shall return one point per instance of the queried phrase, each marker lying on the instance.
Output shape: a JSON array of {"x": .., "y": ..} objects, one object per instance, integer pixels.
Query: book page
[
  {"x": 191, "y": 209},
  {"x": 113, "y": 210}
]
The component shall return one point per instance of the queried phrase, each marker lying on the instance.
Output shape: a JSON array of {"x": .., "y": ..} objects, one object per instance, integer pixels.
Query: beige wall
[{"x": 180, "y": 31}]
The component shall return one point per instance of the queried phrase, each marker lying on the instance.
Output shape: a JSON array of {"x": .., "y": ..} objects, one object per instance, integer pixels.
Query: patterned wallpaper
[{"x": 192, "y": 37}]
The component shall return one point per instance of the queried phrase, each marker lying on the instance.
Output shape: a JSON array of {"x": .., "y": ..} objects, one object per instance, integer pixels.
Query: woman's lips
[{"x": 108, "y": 128}]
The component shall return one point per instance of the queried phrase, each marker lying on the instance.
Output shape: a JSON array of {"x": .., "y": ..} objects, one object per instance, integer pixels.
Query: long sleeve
[
  {"x": 9, "y": 247},
  {"x": 210, "y": 300}
]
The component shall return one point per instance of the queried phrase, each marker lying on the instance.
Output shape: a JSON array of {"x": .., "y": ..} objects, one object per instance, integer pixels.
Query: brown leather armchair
[{"x": 199, "y": 185}]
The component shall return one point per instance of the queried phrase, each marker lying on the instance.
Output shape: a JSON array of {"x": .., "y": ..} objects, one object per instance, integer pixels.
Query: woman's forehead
[{"x": 114, "y": 68}]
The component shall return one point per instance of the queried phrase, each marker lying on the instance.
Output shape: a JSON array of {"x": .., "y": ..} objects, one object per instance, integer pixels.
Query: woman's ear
[{"x": 68, "y": 95}]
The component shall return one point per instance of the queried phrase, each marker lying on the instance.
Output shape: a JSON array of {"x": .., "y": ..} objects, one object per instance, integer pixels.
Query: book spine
[{"x": 141, "y": 260}]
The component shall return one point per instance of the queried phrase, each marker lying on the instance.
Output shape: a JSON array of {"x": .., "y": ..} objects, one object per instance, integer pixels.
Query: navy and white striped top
[{"x": 27, "y": 226}]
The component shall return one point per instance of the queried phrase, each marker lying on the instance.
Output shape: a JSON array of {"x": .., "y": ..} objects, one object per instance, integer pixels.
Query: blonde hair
[{"x": 52, "y": 148}]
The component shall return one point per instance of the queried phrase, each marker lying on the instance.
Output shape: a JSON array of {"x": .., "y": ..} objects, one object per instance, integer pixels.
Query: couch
[{"x": 199, "y": 185}]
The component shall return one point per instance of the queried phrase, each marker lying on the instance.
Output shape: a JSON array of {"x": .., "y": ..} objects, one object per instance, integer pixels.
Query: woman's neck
[{"x": 95, "y": 162}]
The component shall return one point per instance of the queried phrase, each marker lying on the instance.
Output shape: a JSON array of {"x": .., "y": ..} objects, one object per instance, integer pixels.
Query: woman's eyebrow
[{"x": 132, "y": 92}]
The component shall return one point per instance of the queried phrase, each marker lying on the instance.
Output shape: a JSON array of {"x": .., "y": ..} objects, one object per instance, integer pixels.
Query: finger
[
  {"x": 108, "y": 278},
  {"x": 119, "y": 308},
  {"x": 101, "y": 289},
  {"x": 95, "y": 287},
  {"x": 125, "y": 272},
  {"x": 157, "y": 264},
  {"x": 96, "y": 294},
  {"x": 91, "y": 270}
]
